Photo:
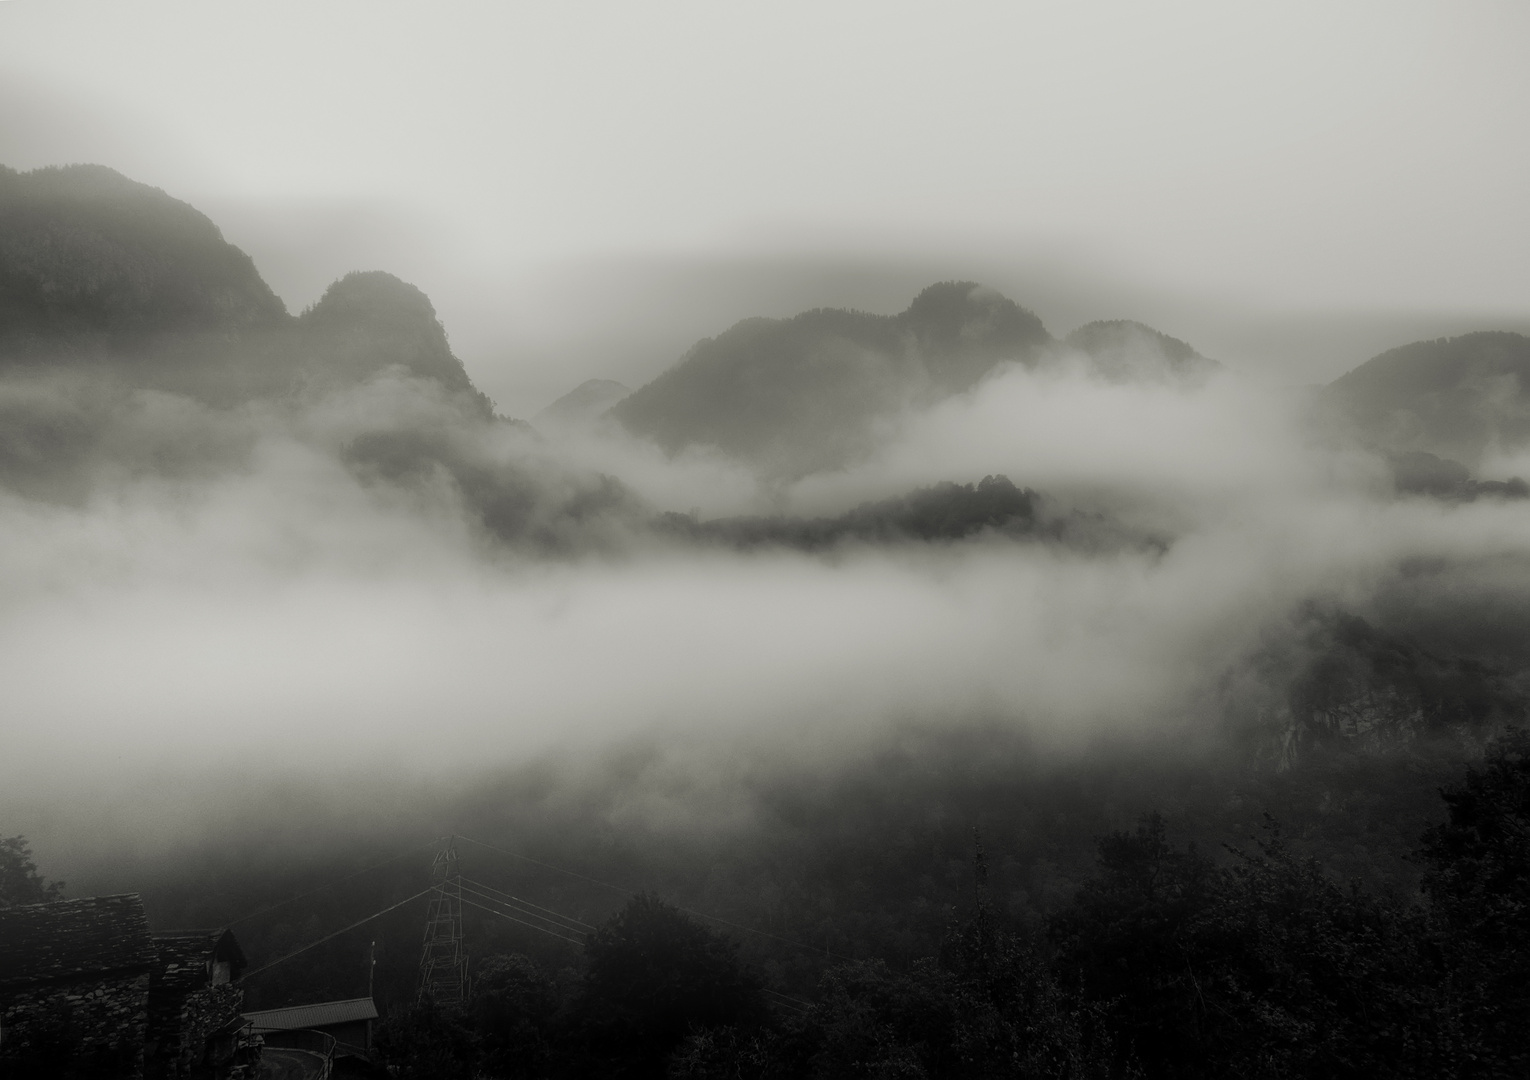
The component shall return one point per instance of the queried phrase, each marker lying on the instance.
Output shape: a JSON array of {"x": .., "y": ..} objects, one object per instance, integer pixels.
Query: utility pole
[
  {"x": 443, "y": 961},
  {"x": 371, "y": 967}
]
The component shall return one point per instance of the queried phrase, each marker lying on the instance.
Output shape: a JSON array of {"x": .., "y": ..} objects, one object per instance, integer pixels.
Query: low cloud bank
[{"x": 300, "y": 590}]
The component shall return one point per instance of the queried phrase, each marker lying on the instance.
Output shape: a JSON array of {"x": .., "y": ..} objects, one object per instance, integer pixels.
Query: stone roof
[
  {"x": 184, "y": 958},
  {"x": 68, "y": 940},
  {"x": 313, "y": 1016}
]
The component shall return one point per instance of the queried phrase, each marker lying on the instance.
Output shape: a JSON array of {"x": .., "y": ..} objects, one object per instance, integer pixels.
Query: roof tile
[
  {"x": 311, "y": 1016},
  {"x": 68, "y": 939}
]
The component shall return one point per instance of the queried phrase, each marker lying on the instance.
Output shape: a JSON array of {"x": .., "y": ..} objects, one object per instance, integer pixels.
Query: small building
[
  {"x": 74, "y": 985},
  {"x": 348, "y": 1022},
  {"x": 84, "y": 983},
  {"x": 195, "y": 1026}
]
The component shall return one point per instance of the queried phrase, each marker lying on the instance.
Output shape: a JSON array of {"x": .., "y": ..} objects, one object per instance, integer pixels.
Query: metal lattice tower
[{"x": 443, "y": 961}]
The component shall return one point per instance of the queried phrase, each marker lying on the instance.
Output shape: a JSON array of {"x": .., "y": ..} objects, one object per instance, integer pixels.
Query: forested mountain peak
[
  {"x": 583, "y": 405},
  {"x": 797, "y": 395},
  {"x": 1442, "y": 363},
  {"x": 1124, "y": 350},
  {"x": 99, "y": 269},
  {"x": 84, "y": 251},
  {"x": 964, "y": 328},
  {"x": 1455, "y": 397},
  {"x": 371, "y": 320},
  {"x": 370, "y": 296}
]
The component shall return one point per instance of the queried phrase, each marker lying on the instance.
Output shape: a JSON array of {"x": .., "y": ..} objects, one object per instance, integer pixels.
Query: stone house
[
  {"x": 194, "y": 1023},
  {"x": 87, "y": 990},
  {"x": 74, "y": 987}
]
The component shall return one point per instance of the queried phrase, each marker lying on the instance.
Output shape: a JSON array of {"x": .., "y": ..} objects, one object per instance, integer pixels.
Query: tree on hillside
[
  {"x": 1122, "y": 938},
  {"x": 516, "y": 1010},
  {"x": 20, "y": 883},
  {"x": 1265, "y": 967},
  {"x": 655, "y": 975},
  {"x": 1478, "y": 883},
  {"x": 425, "y": 1042},
  {"x": 987, "y": 1008}
]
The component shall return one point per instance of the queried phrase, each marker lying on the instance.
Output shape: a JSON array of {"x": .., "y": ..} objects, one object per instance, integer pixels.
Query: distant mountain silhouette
[
  {"x": 583, "y": 405},
  {"x": 793, "y": 396},
  {"x": 91, "y": 258},
  {"x": 368, "y": 321},
  {"x": 1452, "y": 397},
  {"x": 1125, "y": 351},
  {"x": 98, "y": 270}
]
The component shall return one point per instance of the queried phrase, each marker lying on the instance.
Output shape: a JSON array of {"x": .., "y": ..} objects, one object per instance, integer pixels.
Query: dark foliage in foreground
[
  {"x": 1478, "y": 884},
  {"x": 1166, "y": 963},
  {"x": 1263, "y": 968}
]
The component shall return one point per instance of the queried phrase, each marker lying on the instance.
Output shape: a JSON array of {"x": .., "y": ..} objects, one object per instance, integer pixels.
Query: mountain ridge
[
  {"x": 807, "y": 392},
  {"x": 1457, "y": 397},
  {"x": 101, "y": 271},
  {"x": 86, "y": 251},
  {"x": 1125, "y": 350}
]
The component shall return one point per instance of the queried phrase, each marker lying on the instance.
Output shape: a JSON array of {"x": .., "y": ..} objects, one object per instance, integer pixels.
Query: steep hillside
[
  {"x": 369, "y": 321},
  {"x": 91, "y": 258},
  {"x": 792, "y": 396},
  {"x": 583, "y": 405},
  {"x": 1453, "y": 397},
  {"x": 104, "y": 276}
]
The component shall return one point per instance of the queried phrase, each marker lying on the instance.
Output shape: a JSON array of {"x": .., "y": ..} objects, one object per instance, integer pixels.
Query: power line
[
  {"x": 550, "y": 866},
  {"x": 785, "y": 999},
  {"x": 790, "y": 1002},
  {"x": 528, "y": 903},
  {"x": 330, "y": 885},
  {"x": 521, "y": 911},
  {"x": 629, "y": 892},
  {"x": 571, "y": 929},
  {"x": 796, "y": 1004},
  {"x": 528, "y": 914},
  {"x": 512, "y": 918},
  {"x": 337, "y": 933}
]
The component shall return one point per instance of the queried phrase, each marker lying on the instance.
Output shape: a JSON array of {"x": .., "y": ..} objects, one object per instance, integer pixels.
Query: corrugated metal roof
[
  {"x": 313, "y": 1016},
  {"x": 68, "y": 939}
]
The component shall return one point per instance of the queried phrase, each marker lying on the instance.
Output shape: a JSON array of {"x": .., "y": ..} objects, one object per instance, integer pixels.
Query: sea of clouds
[{"x": 199, "y": 592}]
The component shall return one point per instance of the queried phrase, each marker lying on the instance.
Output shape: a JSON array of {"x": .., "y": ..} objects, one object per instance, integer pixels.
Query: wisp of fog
[{"x": 214, "y": 588}]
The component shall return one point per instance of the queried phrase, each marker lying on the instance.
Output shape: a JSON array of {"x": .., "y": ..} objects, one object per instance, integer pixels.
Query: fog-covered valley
[
  {"x": 237, "y": 535},
  {"x": 784, "y": 624}
]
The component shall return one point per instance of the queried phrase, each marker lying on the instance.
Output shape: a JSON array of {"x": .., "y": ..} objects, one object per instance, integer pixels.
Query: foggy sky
[{"x": 1290, "y": 188}]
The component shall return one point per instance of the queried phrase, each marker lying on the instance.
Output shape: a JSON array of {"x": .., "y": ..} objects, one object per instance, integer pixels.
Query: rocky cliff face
[
  {"x": 1345, "y": 685},
  {"x": 1376, "y": 720}
]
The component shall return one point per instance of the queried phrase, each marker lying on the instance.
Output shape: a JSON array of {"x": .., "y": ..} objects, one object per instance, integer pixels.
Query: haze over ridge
[
  {"x": 325, "y": 561},
  {"x": 1120, "y": 158}
]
